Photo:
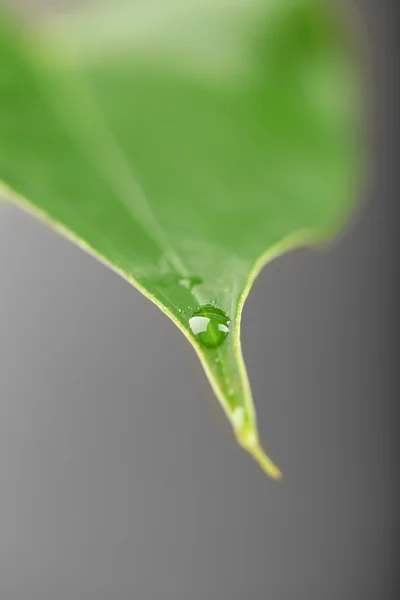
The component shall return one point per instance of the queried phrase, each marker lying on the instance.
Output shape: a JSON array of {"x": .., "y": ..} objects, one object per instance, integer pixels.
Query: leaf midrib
[{"x": 118, "y": 171}]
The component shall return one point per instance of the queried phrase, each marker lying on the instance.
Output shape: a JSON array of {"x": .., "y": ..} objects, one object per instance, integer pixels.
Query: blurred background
[{"x": 119, "y": 475}]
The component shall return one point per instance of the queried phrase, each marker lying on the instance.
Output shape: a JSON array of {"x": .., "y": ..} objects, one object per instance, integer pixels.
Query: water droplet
[
  {"x": 190, "y": 282},
  {"x": 209, "y": 325},
  {"x": 238, "y": 416}
]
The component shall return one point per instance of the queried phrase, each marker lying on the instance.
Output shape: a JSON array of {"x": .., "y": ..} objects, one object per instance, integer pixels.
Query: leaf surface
[{"x": 185, "y": 144}]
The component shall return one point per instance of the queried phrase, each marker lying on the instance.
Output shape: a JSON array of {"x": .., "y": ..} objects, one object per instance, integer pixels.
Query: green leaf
[{"x": 185, "y": 143}]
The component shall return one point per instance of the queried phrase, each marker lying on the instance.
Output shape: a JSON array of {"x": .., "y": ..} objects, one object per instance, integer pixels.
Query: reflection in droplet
[
  {"x": 210, "y": 325},
  {"x": 190, "y": 282}
]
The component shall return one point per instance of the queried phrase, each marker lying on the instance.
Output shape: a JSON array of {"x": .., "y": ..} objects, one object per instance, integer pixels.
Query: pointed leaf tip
[{"x": 248, "y": 439}]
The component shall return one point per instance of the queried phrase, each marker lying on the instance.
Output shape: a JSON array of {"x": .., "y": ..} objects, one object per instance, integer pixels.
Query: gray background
[{"x": 119, "y": 477}]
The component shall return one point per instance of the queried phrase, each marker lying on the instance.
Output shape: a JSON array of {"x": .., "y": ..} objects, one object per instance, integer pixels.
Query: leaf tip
[
  {"x": 248, "y": 439},
  {"x": 265, "y": 462}
]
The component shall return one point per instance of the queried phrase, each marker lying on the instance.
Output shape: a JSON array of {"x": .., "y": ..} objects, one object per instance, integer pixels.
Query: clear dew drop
[{"x": 209, "y": 325}]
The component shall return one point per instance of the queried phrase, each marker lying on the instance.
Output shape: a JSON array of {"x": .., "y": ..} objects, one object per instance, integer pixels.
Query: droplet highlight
[
  {"x": 210, "y": 325},
  {"x": 190, "y": 282}
]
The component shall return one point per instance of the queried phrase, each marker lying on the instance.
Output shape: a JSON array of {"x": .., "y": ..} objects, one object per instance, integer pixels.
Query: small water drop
[
  {"x": 238, "y": 417},
  {"x": 209, "y": 325},
  {"x": 190, "y": 282}
]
